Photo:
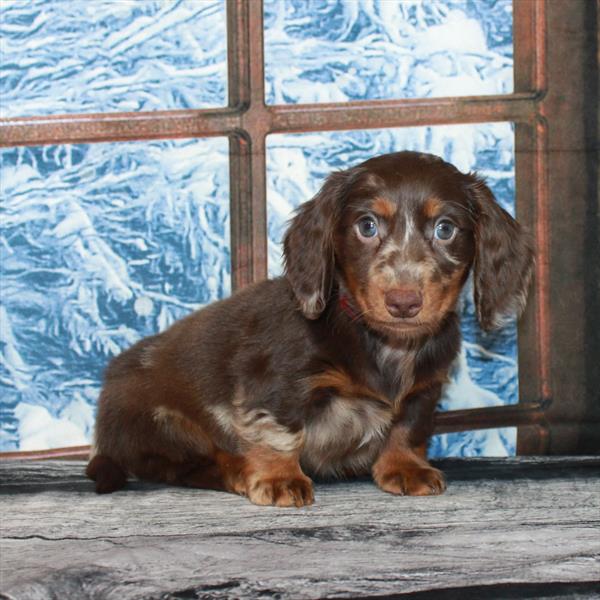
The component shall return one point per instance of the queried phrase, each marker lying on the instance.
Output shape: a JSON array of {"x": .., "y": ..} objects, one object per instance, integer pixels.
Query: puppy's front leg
[
  {"x": 267, "y": 477},
  {"x": 402, "y": 468}
]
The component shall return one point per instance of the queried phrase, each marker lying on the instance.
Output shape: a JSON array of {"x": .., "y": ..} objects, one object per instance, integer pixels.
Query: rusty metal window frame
[{"x": 247, "y": 120}]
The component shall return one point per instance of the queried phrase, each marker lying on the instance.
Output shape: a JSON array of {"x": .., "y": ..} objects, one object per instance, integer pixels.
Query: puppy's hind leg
[{"x": 196, "y": 472}]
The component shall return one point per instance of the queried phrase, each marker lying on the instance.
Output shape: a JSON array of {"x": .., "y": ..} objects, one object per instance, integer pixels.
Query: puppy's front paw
[
  {"x": 412, "y": 481},
  {"x": 296, "y": 491}
]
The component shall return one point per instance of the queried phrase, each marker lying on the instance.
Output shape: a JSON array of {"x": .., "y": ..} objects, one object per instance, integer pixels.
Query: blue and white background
[{"x": 101, "y": 244}]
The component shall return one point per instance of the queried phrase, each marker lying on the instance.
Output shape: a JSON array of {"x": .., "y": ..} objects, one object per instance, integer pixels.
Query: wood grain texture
[{"x": 505, "y": 528}]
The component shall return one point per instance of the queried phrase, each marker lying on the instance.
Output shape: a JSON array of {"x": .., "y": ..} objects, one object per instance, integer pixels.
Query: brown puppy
[{"x": 334, "y": 369}]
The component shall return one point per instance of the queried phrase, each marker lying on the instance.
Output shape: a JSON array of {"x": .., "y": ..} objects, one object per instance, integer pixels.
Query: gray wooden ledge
[{"x": 525, "y": 527}]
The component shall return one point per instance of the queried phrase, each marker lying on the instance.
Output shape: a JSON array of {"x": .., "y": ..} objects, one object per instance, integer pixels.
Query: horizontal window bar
[
  {"x": 490, "y": 417},
  {"x": 403, "y": 113},
  {"x": 72, "y": 453},
  {"x": 72, "y": 129},
  {"x": 258, "y": 119}
]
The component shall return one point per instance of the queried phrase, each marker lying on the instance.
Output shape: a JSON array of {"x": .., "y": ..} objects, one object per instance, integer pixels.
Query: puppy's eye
[
  {"x": 444, "y": 230},
  {"x": 367, "y": 227}
]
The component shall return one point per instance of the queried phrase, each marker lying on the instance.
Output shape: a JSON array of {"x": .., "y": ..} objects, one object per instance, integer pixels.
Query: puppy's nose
[{"x": 403, "y": 303}]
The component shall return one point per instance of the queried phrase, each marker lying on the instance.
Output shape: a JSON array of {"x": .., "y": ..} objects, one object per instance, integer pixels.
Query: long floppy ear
[
  {"x": 504, "y": 259},
  {"x": 308, "y": 246}
]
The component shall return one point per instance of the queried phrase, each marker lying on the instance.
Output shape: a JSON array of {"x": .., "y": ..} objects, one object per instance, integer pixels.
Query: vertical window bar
[
  {"x": 247, "y": 147},
  {"x": 529, "y": 28}
]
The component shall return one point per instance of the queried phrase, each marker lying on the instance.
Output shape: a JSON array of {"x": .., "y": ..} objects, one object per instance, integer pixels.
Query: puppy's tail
[{"x": 107, "y": 474}]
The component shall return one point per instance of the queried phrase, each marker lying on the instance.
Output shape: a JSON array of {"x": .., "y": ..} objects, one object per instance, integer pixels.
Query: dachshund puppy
[{"x": 333, "y": 370}]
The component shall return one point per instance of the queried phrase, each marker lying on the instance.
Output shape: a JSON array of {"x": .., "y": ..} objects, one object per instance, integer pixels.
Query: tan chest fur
[
  {"x": 347, "y": 434},
  {"x": 345, "y": 437}
]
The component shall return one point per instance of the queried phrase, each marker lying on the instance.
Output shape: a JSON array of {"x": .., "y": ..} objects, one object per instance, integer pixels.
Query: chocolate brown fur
[{"x": 326, "y": 371}]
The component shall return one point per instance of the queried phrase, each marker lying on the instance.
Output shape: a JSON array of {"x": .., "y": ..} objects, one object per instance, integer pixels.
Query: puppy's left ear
[{"x": 504, "y": 258}]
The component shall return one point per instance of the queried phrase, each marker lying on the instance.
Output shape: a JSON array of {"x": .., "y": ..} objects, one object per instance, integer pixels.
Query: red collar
[{"x": 347, "y": 307}]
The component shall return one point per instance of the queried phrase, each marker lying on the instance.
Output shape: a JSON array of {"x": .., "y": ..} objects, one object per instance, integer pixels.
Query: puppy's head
[{"x": 400, "y": 233}]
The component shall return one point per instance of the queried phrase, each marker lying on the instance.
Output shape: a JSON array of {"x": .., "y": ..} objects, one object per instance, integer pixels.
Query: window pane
[
  {"x": 485, "y": 373},
  {"x": 338, "y": 50},
  {"x": 482, "y": 442},
  {"x": 73, "y": 56},
  {"x": 100, "y": 245}
]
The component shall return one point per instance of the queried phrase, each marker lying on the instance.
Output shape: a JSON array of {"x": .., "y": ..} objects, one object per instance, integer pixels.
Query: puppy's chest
[
  {"x": 343, "y": 435},
  {"x": 350, "y": 417},
  {"x": 394, "y": 372}
]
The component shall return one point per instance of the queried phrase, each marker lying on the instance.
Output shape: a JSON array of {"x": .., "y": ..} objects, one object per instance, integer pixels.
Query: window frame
[{"x": 546, "y": 106}]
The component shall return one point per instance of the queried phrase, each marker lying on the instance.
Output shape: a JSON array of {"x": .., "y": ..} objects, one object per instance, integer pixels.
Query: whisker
[{"x": 360, "y": 315}]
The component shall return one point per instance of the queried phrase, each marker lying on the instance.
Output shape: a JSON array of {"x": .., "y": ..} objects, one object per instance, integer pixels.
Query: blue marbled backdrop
[{"x": 102, "y": 244}]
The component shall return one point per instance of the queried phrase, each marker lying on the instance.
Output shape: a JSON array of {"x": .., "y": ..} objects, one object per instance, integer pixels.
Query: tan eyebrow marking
[
  {"x": 432, "y": 207},
  {"x": 383, "y": 208}
]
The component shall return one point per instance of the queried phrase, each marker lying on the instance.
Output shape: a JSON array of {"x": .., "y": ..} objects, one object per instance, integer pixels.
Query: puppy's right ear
[{"x": 308, "y": 245}]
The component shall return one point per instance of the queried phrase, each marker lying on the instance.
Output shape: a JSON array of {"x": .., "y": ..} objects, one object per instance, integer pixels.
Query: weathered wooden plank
[{"x": 505, "y": 525}]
